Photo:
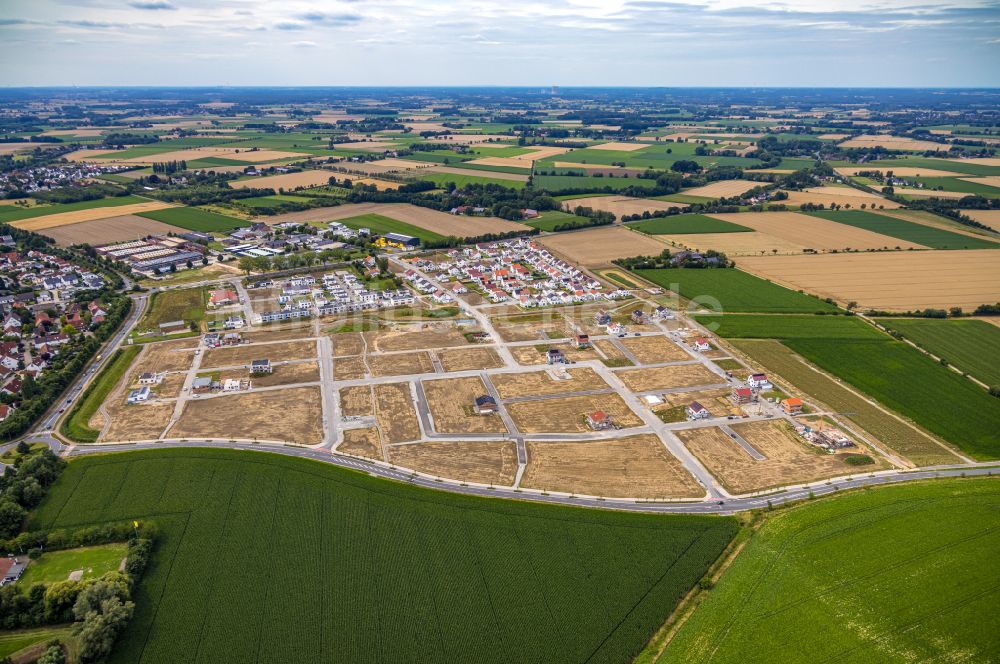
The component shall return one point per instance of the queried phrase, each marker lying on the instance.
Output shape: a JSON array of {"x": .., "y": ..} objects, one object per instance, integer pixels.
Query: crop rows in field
[
  {"x": 272, "y": 559},
  {"x": 687, "y": 223},
  {"x": 196, "y": 219},
  {"x": 971, "y": 345},
  {"x": 907, "y": 575},
  {"x": 748, "y": 326},
  {"x": 734, "y": 290},
  {"x": 908, "y": 231}
]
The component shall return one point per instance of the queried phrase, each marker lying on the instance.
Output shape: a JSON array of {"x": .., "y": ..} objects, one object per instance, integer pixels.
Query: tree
[
  {"x": 54, "y": 654},
  {"x": 99, "y": 630},
  {"x": 246, "y": 264},
  {"x": 12, "y": 517}
]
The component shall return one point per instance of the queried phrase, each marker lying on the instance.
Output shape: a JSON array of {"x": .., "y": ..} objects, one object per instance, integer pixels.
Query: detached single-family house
[
  {"x": 759, "y": 381},
  {"x": 599, "y": 420},
  {"x": 741, "y": 395},
  {"x": 701, "y": 344},
  {"x": 11, "y": 569},
  {"x": 695, "y": 411},
  {"x": 555, "y": 356},
  {"x": 150, "y": 378},
  {"x": 139, "y": 395},
  {"x": 485, "y": 405},
  {"x": 582, "y": 341},
  {"x": 261, "y": 366},
  {"x": 792, "y": 405}
]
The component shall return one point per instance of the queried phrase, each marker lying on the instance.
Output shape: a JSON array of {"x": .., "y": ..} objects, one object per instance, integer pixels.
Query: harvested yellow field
[
  {"x": 982, "y": 161},
  {"x": 433, "y": 220},
  {"x": 899, "y": 171},
  {"x": 368, "y": 146},
  {"x": 504, "y": 162},
  {"x": 600, "y": 246},
  {"x": 833, "y": 137},
  {"x": 109, "y": 229},
  {"x": 735, "y": 244},
  {"x": 619, "y": 205},
  {"x": 665, "y": 378},
  {"x": 893, "y": 281},
  {"x": 618, "y": 146},
  {"x": 838, "y": 195},
  {"x": 285, "y": 181},
  {"x": 812, "y": 232},
  {"x": 569, "y": 414},
  {"x": 988, "y": 217},
  {"x": 538, "y": 383},
  {"x": 630, "y": 467},
  {"x": 451, "y": 402},
  {"x": 80, "y": 216},
  {"x": 989, "y": 180},
  {"x": 380, "y": 185},
  {"x": 789, "y": 459},
  {"x": 11, "y": 148},
  {"x": 722, "y": 189},
  {"x": 492, "y": 462},
  {"x": 892, "y": 143}
]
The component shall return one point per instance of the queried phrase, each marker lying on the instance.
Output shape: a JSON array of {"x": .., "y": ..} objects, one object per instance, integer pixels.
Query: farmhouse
[
  {"x": 599, "y": 420},
  {"x": 139, "y": 395},
  {"x": 261, "y": 366},
  {"x": 11, "y": 569},
  {"x": 695, "y": 411},
  {"x": 485, "y": 405}
]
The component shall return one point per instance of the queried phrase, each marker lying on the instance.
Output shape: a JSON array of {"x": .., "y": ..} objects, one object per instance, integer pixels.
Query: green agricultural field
[
  {"x": 381, "y": 225},
  {"x": 12, "y": 641},
  {"x": 442, "y": 179},
  {"x": 895, "y": 434},
  {"x": 684, "y": 199},
  {"x": 914, "y": 385},
  {"x": 209, "y": 162},
  {"x": 686, "y": 223},
  {"x": 735, "y": 291},
  {"x": 196, "y": 219},
  {"x": 744, "y": 326},
  {"x": 557, "y": 183},
  {"x": 955, "y": 166},
  {"x": 896, "y": 574},
  {"x": 273, "y": 201},
  {"x": 75, "y": 426},
  {"x": 956, "y": 184},
  {"x": 93, "y": 561},
  {"x": 9, "y": 213},
  {"x": 972, "y": 346},
  {"x": 187, "y": 304},
  {"x": 504, "y": 151},
  {"x": 929, "y": 236},
  {"x": 274, "y": 559},
  {"x": 496, "y": 169}
]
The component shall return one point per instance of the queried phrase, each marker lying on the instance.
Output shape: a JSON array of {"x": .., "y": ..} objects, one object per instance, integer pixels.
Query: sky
[{"x": 823, "y": 43}]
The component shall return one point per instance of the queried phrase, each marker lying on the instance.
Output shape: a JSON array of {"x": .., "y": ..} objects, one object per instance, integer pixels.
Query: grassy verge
[{"x": 75, "y": 426}]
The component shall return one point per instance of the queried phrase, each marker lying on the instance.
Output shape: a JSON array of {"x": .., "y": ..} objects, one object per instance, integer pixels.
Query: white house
[
  {"x": 140, "y": 395},
  {"x": 701, "y": 343},
  {"x": 759, "y": 381},
  {"x": 695, "y": 411}
]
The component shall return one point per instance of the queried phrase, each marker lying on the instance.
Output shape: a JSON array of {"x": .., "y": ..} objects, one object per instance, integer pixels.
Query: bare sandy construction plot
[
  {"x": 90, "y": 214},
  {"x": 108, "y": 230},
  {"x": 722, "y": 189},
  {"x": 569, "y": 414},
  {"x": 893, "y": 281},
  {"x": 395, "y": 414},
  {"x": 467, "y": 359},
  {"x": 629, "y": 467},
  {"x": 137, "y": 421},
  {"x": 665, "y": 378},
  {"x": 491, "y": 462},
  {"x": 810, "y": 232},
  {"x": 293, "y": 415},
  {"x": 356, "y": 401},
  {"x": 347, "y": 343},
  {"x": 410, "y": 338},
  {"x": 285, "y": 180},
  {"x": 283, "y": 374},
  {"x": 276, "y": 352},
  {"x": 400, "y": 364},
  {"x": 600, "y": 246},
  {"x": 892, "y": 143},
  {"x": 828, "y": 196},
  {"x": 553, "y": 381},
  {"x": 362, "y": 442},
  {"x": 619, "y": 205},
  {"x": 653, "y": 349},
  {"x": 451, "y": 402},
  {"x": 166, "y": 356},
  {"x": 788, "y": 457},
  {"x": 350, "y": 368}
]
